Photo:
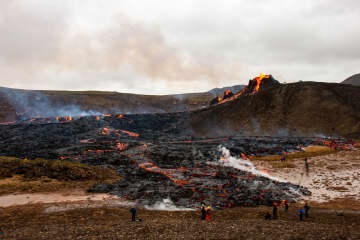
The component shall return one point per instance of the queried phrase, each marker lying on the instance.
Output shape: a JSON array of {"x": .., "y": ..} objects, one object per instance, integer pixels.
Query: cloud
[
  {"x": 31, "y": 31},
  {"x": 145, "y": 49},
  {"x": 164, "y": 47}
]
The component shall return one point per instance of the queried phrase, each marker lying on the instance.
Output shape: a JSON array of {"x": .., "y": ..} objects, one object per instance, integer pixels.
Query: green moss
[{"x": 53, "y": 169}]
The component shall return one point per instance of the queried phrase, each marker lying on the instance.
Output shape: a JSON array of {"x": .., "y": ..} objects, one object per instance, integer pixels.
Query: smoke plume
[{"x": 36, "y": 104}]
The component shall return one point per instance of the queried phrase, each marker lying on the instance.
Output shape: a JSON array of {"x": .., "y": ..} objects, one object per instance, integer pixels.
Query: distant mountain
[
  {"x": 353, "y": 80},
  {"x": 220, "y": 91},
  {"x": 65, "y": 103},
  {"x": 49, "y": 103}
]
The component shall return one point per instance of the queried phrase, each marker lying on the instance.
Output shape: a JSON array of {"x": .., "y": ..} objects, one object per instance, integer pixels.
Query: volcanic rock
[{"x": 156, "y": 159}]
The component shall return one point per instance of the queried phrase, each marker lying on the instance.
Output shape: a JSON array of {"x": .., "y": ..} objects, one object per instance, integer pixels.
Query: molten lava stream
[
  {"x": 131, "y": 134},
  {"x": 259, "y": 80}
]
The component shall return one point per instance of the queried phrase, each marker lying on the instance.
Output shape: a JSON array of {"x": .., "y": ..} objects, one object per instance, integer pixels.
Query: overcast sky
[{"x": 165, "y": 47}]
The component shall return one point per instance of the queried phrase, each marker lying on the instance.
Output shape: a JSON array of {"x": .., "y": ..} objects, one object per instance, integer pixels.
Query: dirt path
[{"x": 70, "y": 196}]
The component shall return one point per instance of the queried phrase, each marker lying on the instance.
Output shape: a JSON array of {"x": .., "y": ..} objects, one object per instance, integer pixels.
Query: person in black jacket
[
  {"x": 275, "y": 208},
  {"x": 133, "y": 214},
  {"x": 306, "y": 165},
  {"x": 286, "y": 206},
  {"x": 203, "y": 211},
  {"x": 307, "y": 208}
]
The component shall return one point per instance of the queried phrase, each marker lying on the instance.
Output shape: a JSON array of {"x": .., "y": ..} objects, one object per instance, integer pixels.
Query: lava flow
[
  {"x": 254, "y": 86},
  {"x": 259, "y": 80},
  {"x": 157, "y": 159}
]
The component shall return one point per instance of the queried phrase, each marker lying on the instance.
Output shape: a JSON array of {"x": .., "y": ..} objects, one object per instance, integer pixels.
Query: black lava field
[{"x": 158, "y": 157}]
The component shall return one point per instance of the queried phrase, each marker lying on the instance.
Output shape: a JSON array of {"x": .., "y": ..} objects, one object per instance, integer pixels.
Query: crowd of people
[
  {"x": 206, "y": 211},
  {"x": 302, "y": 212}
]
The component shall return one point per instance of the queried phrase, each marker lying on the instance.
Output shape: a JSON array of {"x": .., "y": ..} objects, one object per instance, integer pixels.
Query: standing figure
[
  {"x": 133, "y": 214},
  {"x": 286, "y": 206},
  {"x": 203, "y": 211},
  {"x": 307, "y": 208},
  {"x": 301, "y": 214},
  {"x": 208, "y": 216},
  {"x": 306, "y": 164},
  {"x": 275, "y": 215}
]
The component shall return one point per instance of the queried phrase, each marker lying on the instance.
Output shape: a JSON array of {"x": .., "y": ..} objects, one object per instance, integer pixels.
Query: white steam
[
  {"x": 166, "y": 205},
  {"x": 241, "y": 164}
]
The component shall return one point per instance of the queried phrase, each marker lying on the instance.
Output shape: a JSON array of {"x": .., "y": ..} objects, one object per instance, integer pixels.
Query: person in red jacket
[{"x": 208, "y": 215}]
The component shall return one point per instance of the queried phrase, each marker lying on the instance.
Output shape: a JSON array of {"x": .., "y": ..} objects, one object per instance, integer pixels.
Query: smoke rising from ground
[
  {"x": 241, "y": 164},
  {"x": 36, "y": 104},
  {"x": 166, "y": 205}
]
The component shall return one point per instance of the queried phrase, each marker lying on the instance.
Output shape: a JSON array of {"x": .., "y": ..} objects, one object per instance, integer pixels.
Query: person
[
  {"x": 275, "y": 216},
  {"x": 208, "y": 216},
  {"x": 301, "y": 214},
  {"x": 307, "y": 208},
  {"x": 133, "y": 214},
  {"x": 286, "y": 206},
  {"x": 203, "y": 211},
  {"x": 267, "y": 216},
  {"x": 306, "y": 164}
]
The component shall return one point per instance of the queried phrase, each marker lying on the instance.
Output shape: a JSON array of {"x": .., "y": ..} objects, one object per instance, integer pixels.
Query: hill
[
  {"x": 220, "y": 91},
  {"x": 303, "y": 108},
  {"x": 354, "y": 80},
  {"x": 61, "y": 103}
]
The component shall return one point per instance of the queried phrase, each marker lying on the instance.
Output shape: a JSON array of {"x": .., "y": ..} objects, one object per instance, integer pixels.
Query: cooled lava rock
[{"x": 157, "y": 159}]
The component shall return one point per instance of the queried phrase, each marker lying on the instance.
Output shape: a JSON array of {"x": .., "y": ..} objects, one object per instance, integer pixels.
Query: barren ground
[
  {"x": 32, "y": 222},
  {"x": 73, "y": 214},
  {"x": 332, "y": 176}
]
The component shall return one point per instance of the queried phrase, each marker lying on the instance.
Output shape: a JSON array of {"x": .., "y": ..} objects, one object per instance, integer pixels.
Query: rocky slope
[{"x": 303, "y": 108}]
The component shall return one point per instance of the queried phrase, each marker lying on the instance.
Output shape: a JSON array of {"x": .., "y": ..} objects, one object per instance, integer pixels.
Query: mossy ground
[{"x": 40, "y": 175}]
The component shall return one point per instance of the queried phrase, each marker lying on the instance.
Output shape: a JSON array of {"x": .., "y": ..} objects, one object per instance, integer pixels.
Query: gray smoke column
[{"x": 37, "y": 104}]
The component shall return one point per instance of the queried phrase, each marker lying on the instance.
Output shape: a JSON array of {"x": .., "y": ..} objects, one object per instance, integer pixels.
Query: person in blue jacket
[{"x": 301, "y": 214}]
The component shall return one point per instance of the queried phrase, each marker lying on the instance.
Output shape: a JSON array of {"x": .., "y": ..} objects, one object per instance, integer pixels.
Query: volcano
[
  {"x": 261, "y": 82},
  {"x": 295, "y": 109},
  {"x": 194, "y": 156}
]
